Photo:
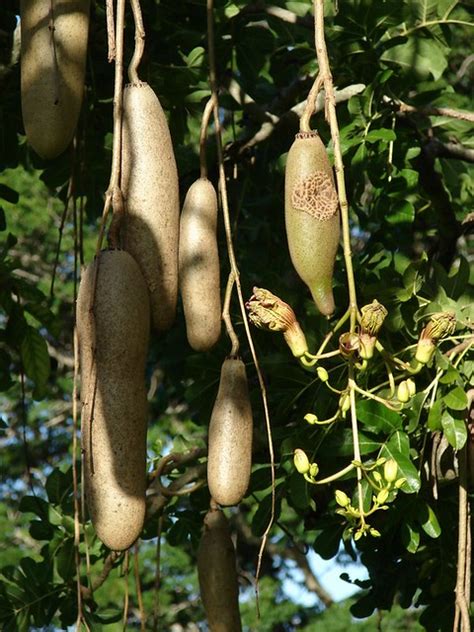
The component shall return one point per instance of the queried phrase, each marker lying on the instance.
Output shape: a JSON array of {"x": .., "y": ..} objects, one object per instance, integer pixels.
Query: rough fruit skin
[
  {"x": 149, "y": 183},
  {"x": 199, "y": 276},
  {"x": 230, "y": 436},
  {"x": 312, "y": 217},
  {"x": 113, "y": 343},
  {"x": 52, "y": 78},
  {"x": 217, "y": 574}
]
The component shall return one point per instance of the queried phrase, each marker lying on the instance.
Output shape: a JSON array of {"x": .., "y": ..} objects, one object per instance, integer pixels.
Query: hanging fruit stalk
[
  {"x": 217, "y": 574},
  {"x": 230, "y": 436},
  {"x": 312, "y": 217},
  {"x": 113, "y": 330},
  {"x": 53, "y": 60}
]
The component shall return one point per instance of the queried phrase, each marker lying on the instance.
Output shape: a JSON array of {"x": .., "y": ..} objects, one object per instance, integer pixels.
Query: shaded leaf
[
  {"x": 428, "y": 520},
  {"x": 376, "y": 417},
  {"x": 34, "y": 353},
  {"x": 456, "y": 399},
  {"x": 454, "y": 429}
]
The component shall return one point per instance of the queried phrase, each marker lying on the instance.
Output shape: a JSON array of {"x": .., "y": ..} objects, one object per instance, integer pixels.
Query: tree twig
[{"x": 109, "y": 8}]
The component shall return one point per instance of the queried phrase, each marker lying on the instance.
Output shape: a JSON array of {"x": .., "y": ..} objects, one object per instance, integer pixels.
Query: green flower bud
[
  {"x": 344, "y": 403},
  {"x": 322, "y": 374},
  {"x": 269, "y": 312},
  {"x": 411, "y": 387},
  {"x": 374, "y": 533},
  {"x": 313, "y": 470},
  {"x": 342, "y": 498},
  {"x": 301, "y": 461},
  {"x": 382, "y": 496},
  {"x": 390, "y": 470},
  {"x": 403, "y": 394},
  {"x": 310, "y": 418}
]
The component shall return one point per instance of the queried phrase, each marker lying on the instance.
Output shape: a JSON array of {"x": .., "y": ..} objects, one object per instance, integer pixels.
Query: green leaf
[
  {"x": 456, "y": 283},
  {"x": 456, "y": 399},
  {"x": 35, "y": 357},
  {"x": 327, "y": 542},
  {"x": 298, "y": 494},
  {"x": 413, "y": 413},
  {"x": 401, "y": 213},
  {"x": 376, "y": 417},
  {"x": 410, "y": 537},
  {"x": 454, "y": 429},
  {"x": 341, "y": 444},
  {"x": 65, "y": 560},
  {"x": 423, "y": 57},
  {"x": 195, "y": 57},
  {"x": 380, "y": 134},
  {"x": 406, "y": 468},
  {"x": 434, "y": 416},
  {"x": 41, "y": 530},
  {"x": 399, "y": 442},
  {"x": 34, "y": 505},
  {"x": 58, "y": 485},
  {"x": 428, "y": 520}
]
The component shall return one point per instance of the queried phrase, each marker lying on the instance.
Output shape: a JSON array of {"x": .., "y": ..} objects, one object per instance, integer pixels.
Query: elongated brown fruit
[
  {"x": 312, "y": 217},
  {"x": 217, "y": 574},
  {"x": 53, "y": 59},
  {"x": 230, "y": 436},
  {"x": 199, "y": 266},
  {"x": 150, "y": 187},
  {"x": 113, "y": 332}
]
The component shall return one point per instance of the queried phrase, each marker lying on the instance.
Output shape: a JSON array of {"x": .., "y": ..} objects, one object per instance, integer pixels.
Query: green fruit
[
  {"x": 217, "y": 574},
  {"x": 230, "y": 436},
  {"x": 312, "y": 217}
]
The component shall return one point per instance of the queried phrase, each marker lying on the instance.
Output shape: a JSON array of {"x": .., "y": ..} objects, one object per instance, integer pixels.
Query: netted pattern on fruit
[{"x": 316, "y": 196}]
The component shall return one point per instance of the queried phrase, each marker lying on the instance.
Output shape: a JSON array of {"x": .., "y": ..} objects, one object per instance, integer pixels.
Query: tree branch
[
  {"x": 455, "y": 151},
  {"x": 270, "y": 122},
  {"x": 404, "y": 108}
]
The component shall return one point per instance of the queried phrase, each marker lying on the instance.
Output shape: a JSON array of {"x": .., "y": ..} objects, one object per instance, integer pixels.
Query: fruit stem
[
  {"x": 226, "y": 316},
  {"x": 139, "y": 42},
  {"x": 330, "y": 109},
  {"x": 310, "y": 104},
  {"x": 206, "y": 115}
]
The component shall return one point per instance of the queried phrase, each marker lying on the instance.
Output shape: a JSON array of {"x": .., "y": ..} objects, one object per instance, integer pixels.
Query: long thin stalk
[
  {"x": 235, "y": 271},
  {"x": 326, "y": 79}
]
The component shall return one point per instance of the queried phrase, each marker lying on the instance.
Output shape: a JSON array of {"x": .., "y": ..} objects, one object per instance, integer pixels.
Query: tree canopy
[{"x": 373, "y": 450}]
